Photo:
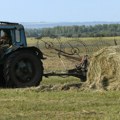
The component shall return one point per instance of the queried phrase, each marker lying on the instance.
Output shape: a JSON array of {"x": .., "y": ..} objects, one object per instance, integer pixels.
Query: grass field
[
  {"x": 73, "y": 104},
  {"x": 31, "y": 104}
]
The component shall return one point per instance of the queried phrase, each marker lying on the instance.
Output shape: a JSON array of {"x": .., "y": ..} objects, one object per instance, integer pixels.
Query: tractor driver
[{"x": 5, "y": 39}]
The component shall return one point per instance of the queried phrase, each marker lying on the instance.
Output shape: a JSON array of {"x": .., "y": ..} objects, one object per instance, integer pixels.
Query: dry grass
[{"x": 104, "y": 69}]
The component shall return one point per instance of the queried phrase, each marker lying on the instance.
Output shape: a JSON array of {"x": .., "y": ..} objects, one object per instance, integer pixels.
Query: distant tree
[{"x": 76, "y": 31}]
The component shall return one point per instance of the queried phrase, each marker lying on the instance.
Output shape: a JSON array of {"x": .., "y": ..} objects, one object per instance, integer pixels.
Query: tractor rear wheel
[{"x": 23, "y": 69}]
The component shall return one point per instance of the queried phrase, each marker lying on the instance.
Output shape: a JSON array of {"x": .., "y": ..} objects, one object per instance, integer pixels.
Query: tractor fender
[{"x": 32, "y": 49}]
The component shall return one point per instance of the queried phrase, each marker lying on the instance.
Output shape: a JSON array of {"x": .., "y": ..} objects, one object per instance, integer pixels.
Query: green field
[
  {"x": 49, "y": 102},
  {"x": 31, "y": 104}
]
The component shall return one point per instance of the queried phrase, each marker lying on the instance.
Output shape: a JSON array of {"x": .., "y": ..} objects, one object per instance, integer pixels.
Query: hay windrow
[
  {"x": 58, "y": 87},
  {"x": 104, "y": 69}
]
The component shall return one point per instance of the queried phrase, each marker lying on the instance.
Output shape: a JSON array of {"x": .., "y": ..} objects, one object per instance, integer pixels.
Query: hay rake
[{"x": 76, "y": 50}]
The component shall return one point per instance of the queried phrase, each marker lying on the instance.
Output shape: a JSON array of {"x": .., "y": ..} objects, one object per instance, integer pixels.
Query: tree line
[{"x": 104, "y": 30}]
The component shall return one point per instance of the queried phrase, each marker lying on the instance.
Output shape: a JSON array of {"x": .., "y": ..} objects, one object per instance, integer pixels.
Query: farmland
[
  {"x": 50, "y": 101},
  {"x": 31, "y": 104}
]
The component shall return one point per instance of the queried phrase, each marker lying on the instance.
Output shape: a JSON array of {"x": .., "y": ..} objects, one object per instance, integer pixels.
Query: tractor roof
[{"x": 10, "y": 25}]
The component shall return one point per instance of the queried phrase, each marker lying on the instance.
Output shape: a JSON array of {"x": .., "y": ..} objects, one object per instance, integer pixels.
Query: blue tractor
[{"x": 20, "y": 65}]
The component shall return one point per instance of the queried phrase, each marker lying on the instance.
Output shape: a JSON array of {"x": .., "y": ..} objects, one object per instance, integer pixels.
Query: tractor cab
[{"x": 12, "y": 34}]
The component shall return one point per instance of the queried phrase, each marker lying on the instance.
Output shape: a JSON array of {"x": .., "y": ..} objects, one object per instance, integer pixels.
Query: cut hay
[
  {"x": 104, "y": 69},
  {"x": 58, "y": 87}
]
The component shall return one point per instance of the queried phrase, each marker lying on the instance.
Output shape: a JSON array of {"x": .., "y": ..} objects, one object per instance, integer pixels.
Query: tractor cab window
[
  {"x": 20, "y": 39},
  {"x": 17, "y": 33},
  {"x": 1, "y": 33},
  {"x": 5, "y": 36}
]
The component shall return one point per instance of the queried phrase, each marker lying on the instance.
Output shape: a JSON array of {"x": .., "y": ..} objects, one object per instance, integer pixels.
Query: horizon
[
  {"x": 73, "y": 22},
  {"x": 38, "y": 25}
]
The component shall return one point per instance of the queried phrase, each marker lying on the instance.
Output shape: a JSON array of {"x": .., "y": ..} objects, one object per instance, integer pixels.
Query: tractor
[{"x": 20, "y": 65}]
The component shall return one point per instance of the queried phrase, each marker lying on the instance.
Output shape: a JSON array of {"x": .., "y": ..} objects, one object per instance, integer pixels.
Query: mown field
[
  {"x": 45, "y": 103},
  {"x": 32, "y": 104}
]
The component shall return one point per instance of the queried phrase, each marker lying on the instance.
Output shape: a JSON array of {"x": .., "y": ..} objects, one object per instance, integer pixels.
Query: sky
[{"x": 59, "y": 10}]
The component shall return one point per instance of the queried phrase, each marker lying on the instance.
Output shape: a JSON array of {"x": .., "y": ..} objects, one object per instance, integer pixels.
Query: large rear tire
[{"x": 23, "y": 69}]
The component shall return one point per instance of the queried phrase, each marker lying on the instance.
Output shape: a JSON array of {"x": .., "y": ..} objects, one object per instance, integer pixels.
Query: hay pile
[{"x": 104, "y": 69}]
